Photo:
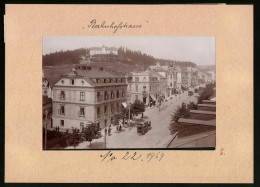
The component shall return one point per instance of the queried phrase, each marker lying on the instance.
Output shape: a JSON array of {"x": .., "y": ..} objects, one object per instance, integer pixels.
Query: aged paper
[{"x": 232, "y": 26}]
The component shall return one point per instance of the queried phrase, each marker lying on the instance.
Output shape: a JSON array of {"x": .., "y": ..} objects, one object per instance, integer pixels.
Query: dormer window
[
  {"x": 72, "y": 81},
  {"x": 62, "y": 81}
]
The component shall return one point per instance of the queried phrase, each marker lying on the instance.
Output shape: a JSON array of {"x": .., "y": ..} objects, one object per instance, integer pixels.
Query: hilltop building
[{"x": 103, "y": 50}]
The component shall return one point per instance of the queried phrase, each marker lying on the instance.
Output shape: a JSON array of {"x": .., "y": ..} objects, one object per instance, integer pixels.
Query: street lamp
[
  {"x": 46, "y": 117},
  {"x": 129, "y": 103},
  {"x": 105, "y": 137}
]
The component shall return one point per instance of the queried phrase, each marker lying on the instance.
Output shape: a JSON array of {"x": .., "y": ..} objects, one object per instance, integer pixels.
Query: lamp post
[
  {"x": 45, "y": 138},
  {"x": 129, "y": 103},
  {"x": 105, "y": 137}
]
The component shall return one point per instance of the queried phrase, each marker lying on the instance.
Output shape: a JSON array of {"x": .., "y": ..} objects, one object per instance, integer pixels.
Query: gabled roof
[
  {"x": 95, "y": 73},
  {"x": 106, "y": 48},
  {"x": 157, "y": 74}
]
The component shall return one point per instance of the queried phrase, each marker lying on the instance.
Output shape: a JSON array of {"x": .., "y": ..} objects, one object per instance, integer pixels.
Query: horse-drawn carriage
[{"x": 143, "y": 127}]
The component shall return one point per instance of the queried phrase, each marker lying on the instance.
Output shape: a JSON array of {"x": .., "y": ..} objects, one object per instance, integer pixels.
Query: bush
[
  {"x": 192, "y": 106},
  {"x": 181, "y": 112},
  {"x": 206, "y": 93}
]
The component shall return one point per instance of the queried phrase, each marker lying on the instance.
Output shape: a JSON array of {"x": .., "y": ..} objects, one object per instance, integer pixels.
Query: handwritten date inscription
[{"x": 135, "y": 156}]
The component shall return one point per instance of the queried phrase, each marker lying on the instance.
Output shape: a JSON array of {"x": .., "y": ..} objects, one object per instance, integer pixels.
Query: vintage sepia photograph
[{"x": 128, "y": 92}]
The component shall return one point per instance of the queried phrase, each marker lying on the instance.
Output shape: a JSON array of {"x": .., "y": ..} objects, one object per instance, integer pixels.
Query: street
[{"x": 158, "y": 137}]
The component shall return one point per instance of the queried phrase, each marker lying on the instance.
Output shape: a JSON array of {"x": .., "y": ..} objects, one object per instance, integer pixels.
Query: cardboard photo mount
[{"x": 231, "y": 162}]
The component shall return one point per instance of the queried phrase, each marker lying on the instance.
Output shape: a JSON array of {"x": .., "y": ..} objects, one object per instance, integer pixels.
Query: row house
[
  {"x": 87, "y": 95},
  {"x": 174, "y": 80},
  {"x": 144, "y": 86},
  {"x": 172, "y": 76}
]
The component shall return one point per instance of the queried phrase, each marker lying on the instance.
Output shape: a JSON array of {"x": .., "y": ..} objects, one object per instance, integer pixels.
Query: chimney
[{"x": 101, "y": 69}]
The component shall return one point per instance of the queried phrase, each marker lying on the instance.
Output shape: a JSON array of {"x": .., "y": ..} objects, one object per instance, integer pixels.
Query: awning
[
  {"x": 153, "y": 98},
  {"x": 124, "y": 104}
]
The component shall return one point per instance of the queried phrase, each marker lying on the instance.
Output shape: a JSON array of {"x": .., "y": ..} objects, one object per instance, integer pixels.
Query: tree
[
  {"x": 92, "y": 131},
  {"x": 74, "y": 138},
  {"x": 207, "y": 93},
  {"x": 137, "y": 107}
]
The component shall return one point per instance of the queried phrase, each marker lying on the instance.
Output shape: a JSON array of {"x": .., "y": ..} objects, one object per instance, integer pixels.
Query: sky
[{"x": 197, "y": 49}]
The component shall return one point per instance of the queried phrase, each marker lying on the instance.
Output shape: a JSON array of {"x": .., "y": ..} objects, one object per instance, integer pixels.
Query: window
[
  {"x": 99, "y": 98},
  {"x": 106, "y": 96},
  {"x": 117, "y": 107},
  {"x": 81, "y": 125},
  {"x": 72, "y": 81},
  {"x": 105, "y": 110},
  {"x": 82, "y": 96},
  {"x": 112, "y": 95},
  {"x": 123, "y": 93},
  {"x": 136, "y": 97},
  {"x": 171, "y": 84},
  {"x": 82, "y": 112},
  {"x": 144, "y": 79},
  {"x": 62, "y": 123},
  {"x": 136, "y": 87},
  {"x": 62, "y": 95},
  {"x": 98, "y": 112},
  {"x": 112, "y": 108},
  {"x": 62, "y": 110},
  {"x": 112, "y": 120},
  {"x": 136, "y": 79},
  {"x": 117, "y": 93}
]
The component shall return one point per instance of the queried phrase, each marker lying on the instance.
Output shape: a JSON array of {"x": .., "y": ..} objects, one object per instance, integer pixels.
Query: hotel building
[{"x": 87, "y": 95}]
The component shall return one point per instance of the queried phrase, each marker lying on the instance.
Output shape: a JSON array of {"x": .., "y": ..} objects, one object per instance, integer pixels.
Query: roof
[
  {"x": 55, "y": 71},
  {"x": 96, "y": 73},
  {"x": 207, "y": 105},
  {"x": 157, "y": 74},
  {"x": 106, "y": 48},
  {"x": 46, "y": 100},
  {"x": 52, "y": 80},
  {"x": 198, "y": 122},
  {"x": 203, "y": 112}
]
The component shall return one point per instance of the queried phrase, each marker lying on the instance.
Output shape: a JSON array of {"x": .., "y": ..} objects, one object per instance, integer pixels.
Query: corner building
[{"x": 87, "y": 95}]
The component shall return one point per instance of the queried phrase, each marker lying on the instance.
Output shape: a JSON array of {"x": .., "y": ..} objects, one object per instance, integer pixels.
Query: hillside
[{"x": 127, "y": 60}]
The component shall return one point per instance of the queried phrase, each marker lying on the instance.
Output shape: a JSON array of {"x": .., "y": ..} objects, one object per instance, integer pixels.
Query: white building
[
  {"x": 86, "y": 95},
  {"x": 103, "y": 50}
]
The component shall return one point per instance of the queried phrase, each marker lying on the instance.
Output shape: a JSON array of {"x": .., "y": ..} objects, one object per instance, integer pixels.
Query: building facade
[
  {"x": 103, "y": 50},
  {"x": 87, "y": 95},
  {"x": 144, "y": 86}
]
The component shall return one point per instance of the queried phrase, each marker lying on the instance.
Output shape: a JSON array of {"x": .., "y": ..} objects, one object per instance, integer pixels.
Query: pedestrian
[
  {"x": 58, "y": 129},
  {"x": 120, "y": 127},
  {"x": 109, "y": 132}
]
